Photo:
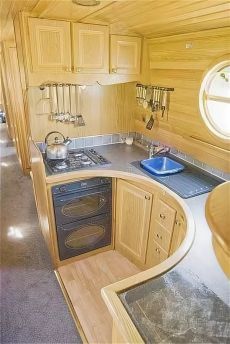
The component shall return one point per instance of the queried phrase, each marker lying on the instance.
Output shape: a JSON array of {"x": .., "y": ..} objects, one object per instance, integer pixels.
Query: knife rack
[
  {"x": 63, "y": 101},
  {"x": 155, "y": 98}
]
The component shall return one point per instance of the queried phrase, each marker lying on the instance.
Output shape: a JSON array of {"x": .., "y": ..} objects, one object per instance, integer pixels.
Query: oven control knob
[{"x": 62, "y": 189}]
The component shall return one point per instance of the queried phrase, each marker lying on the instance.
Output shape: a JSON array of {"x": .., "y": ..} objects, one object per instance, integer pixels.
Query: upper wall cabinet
[
  {"x": 50, "y": 45},
  {"x": 125, "y": 54},
  {"x": 90, "y": 48},
  {"x": 67, "y": 52}
]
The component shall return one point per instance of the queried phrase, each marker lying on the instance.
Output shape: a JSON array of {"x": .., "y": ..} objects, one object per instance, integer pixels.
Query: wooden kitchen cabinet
[
  {"x": 90, "y": 48},
  {"x": 133, "y": 212},
  {"x": 50, "y": 45},
  {"x": 125, "y": 54}
]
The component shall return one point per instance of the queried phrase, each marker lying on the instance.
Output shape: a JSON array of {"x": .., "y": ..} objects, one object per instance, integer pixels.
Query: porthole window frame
[{"x": 206, "y": 117}]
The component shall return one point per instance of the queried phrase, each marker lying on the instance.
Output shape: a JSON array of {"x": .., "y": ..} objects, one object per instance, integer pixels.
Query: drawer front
[
  {"x": 166, "y": 215},
  {"x": 157, "y": 254},
  {"x": 162, "y": 237}
]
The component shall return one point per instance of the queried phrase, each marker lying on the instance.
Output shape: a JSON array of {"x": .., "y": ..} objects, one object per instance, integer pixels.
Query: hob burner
[{"x": 77, "y": 159}]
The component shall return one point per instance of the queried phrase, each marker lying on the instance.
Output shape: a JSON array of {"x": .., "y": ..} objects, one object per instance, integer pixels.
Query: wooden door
[
  {"x": 90, "y": 48},
  {"x": 125, "y": 54},
  {"x": 133, "y": 210},
  {"x": 50, "y": 45}
]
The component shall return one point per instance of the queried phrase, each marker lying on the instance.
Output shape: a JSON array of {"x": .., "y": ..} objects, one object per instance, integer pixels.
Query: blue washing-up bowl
[{"x": 161, "y": 166}]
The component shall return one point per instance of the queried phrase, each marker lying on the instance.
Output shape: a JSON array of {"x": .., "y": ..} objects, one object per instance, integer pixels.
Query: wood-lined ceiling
[{"x": 148, "y": 18}]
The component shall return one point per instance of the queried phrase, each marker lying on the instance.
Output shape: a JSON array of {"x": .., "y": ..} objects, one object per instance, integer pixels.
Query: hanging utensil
[
  {"x": 154, "y": 99},
  {"x": 66, "y": 103},
  {"x": 79, "y": 118},
  {"x": 164, "y": 104},
  {"x": 145, "y": 101},
  {"x": 157, "y": 99}
]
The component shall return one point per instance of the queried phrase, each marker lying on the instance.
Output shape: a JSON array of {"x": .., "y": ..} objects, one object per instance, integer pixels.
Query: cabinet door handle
[
  {"x": 147, "y": 197},
  {"x": 157, "y": 250},
  {"x": 178, "y": 223},
  {"x": 67, "y": 69},
  {"x": 162, "y": 216},
  {"x": 114, "y": 70},
  {"x": 76, "y": 70},
  {"x": 159, "y": 236}
]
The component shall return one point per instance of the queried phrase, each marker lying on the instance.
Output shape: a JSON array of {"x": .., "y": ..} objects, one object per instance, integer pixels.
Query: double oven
[{"x": 83, "y": 215}]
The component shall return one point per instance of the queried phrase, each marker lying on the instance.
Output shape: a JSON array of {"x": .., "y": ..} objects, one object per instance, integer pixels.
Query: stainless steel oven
[{"x": 83, "y": 215}]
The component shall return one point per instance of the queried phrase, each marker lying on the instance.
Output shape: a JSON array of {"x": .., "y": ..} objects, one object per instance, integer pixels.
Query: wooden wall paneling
[
  {"x": 171, "y": 52},
  {"x": 16, "y": 100},
  {"x": 106, "y": 109},
  {"x": 6, "y": 96},
  {"x": 175, "y": 66},
  {"x": 8, "y": 10}
]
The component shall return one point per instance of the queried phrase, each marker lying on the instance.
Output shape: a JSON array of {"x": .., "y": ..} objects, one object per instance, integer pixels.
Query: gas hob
[{"x": 77, "y": 159}]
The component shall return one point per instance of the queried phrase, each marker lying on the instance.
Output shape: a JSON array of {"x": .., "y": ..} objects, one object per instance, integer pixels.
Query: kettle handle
[{"x": 53, "y": 132}]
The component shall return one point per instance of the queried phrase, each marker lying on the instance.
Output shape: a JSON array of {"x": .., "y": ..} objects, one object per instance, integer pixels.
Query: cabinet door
[
  {"x": 179, "y": 232},
  {"x": 90, "y": 48},
  {"x": 133, "y": 209},
  {"x": 50, "y": 45},
  {"x": 125, "y": 54}
]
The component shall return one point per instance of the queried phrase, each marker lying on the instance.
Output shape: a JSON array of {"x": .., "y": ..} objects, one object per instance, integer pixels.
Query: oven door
[
  {"x": 84, "y": 204},
  {"x": 84, "y": 236}
]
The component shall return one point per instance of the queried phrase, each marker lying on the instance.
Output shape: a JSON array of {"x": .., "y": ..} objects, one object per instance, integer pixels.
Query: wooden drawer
[
  {"x": 156, "y": 254},
  {"x": 165, "y": 215},
  {"x": 161, "y": 236}
]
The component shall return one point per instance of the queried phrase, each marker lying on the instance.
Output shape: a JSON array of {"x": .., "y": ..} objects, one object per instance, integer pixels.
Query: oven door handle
[{"x": 78, "y": 195}]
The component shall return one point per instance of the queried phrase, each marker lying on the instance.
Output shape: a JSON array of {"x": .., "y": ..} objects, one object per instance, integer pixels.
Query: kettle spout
[{"x": 67, "y": 141}]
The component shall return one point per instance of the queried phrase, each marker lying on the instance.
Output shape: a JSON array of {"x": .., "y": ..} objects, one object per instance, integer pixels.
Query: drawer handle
[
  {"x": 162, "y": 216},
  {"x": 147, "y": 197},
  {"x": 114, "y": 70},
  {"x": 157, "y": 250},
  {"x": 159, "y": 236}
]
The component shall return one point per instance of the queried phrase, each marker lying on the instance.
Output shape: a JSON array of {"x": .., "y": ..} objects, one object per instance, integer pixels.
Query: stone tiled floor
[{"x": 33, "y": 309}]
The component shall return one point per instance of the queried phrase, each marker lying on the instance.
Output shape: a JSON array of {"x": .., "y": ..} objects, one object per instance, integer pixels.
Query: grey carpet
[{"x": 33, "y": 309}]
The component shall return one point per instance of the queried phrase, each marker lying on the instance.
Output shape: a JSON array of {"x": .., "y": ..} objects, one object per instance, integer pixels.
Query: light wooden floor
[{"x": 83, "y": 281}]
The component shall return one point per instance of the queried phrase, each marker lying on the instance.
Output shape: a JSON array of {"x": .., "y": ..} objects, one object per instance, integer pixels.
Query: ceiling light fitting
[{"x": 86, "y": 2}]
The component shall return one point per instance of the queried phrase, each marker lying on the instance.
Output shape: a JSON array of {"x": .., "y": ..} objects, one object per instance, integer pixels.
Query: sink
[{"x": 161, "y": 166}]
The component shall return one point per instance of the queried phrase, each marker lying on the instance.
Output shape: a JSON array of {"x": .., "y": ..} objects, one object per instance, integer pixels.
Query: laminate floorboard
[
  {"x": 33, "y": 309},
  {"x": 83, "y": 281}
]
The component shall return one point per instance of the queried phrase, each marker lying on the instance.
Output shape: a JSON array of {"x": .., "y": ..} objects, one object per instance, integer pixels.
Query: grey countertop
[
  {"x": 191, "y": 302},
  {"x": 120, "y": 155}
]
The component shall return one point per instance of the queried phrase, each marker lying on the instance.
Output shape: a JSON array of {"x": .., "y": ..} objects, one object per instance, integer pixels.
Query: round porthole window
[{"x": 214, "y": 99}]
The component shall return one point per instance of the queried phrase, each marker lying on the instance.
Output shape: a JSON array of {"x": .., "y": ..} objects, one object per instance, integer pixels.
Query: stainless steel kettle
[{"x": 58, "y": 150}]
